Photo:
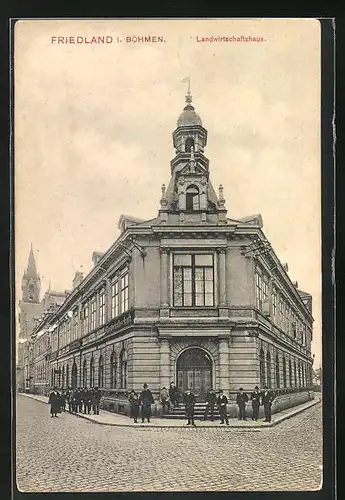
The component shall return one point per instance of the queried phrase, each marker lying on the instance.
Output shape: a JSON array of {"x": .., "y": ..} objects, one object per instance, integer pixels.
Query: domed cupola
[{"x": 188, "y": 116}]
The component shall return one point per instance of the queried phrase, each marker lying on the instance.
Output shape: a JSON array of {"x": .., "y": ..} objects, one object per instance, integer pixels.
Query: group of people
[
  {"x": 257, "y": 397},
  {"x": 81, "y": 400}
]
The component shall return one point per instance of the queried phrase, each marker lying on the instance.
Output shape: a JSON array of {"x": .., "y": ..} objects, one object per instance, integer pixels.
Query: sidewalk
[{"x": 109, "y": 418}]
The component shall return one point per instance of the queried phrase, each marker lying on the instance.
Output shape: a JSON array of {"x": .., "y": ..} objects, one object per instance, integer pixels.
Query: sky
[{"x": 93, "y": 134}]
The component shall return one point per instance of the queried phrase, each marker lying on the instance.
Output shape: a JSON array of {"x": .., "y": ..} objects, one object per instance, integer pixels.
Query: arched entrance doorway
[
  {"x": 194, "y": 371},
  {"x": 74, "y": 376}
]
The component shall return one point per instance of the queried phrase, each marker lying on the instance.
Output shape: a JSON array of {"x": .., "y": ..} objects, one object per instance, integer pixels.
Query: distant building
[
  {"x": 190, "y": 296},
  {"x": 31, "y": 310}
]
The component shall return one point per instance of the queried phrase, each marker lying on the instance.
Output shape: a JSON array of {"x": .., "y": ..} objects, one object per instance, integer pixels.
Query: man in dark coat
[
  {"x": 134, "y": 406},
  {"x": 95, "y": 400},
  {"x": 74, "y": 400},
  {"x": 255, "y": 399},
  {"x": 222, "y": 401},
  {"x": 146, "y": 400},
  {"x": 54, "y": 401},
  {"x": 189, "y": 402},
  {"x": 211, "y": 399},
  {"x": 80, "y": 399},
  {"x": 173, "y": 394},
  {"x": 241, "y": 400},
  {"x": 87, "y": 400},
  {"x": 267, "y": 398}
]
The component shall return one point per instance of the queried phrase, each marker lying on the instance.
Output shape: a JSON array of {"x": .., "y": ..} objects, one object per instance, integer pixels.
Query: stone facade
[{"x": 190, "y": 296}]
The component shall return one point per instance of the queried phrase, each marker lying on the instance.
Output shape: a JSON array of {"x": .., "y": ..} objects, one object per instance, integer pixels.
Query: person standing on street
[
  {"x": 267, "y": 398},
  {"x": 189, "y": 402},
  {"x": 173, "y": 394},
  {"x": 165, "y": 400},
  {"x": 255, "y": 399},
  {"x": 134, "y": 405},
  {"x": 211, "y": 399},
  {"x": 54, "y": 401},
  {"x": 241, "y": 400},
  {"x": 222, "y": 401},
  {"x": 96, "y": 399},
  {"x": 146, "y": 400}
]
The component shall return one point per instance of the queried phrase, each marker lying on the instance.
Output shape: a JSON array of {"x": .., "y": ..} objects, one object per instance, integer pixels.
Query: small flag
[{"x": 185, "y": 80}]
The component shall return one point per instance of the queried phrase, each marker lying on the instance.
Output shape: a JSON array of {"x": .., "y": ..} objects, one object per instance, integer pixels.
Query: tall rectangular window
[
  {"x": 193, "y": 280},
  {"x": 274, "y": 303},
  {"x": 101, "y": 308},
  {"x": 115, "y": 299},
  {"x": 86, "y": 318},
  {"x": 75, "y": 324},
  {"x": 259, "y": 291},
  {"x": 124, "y": 293},
  {"x": 93, "y": 313}
]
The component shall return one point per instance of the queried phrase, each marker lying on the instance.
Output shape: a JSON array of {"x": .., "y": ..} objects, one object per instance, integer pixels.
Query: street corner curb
[{"x": 293, "y": 413}]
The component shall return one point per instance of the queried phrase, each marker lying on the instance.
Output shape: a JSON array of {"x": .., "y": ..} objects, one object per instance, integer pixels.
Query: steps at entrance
[{"x": 199, "y": 410}]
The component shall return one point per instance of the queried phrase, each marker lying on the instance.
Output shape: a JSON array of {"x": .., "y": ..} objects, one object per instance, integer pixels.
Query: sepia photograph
[{"x": 168, "y": 282}]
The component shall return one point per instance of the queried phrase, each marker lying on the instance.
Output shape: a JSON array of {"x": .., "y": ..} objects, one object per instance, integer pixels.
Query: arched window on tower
[
  {"x": 192, "y": 198},
  {"x": 277, "y": 372},
  {"x": 189, "y": 144},
  {"x": 262, "y": 368},
  {"x": 123, "y": 367},
  {"x": 268, "y": 366},
  {"x": 100, "y": 372},
  {"x": 113, "y": 370}
]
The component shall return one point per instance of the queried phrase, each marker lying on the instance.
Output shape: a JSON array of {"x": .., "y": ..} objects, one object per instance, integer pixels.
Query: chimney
[
  {"x": 285, "y": 266},
  {"x": 78, "y": 278},
  {"x": 295, "y": 284},
  {"x": 96, "y": 257}
]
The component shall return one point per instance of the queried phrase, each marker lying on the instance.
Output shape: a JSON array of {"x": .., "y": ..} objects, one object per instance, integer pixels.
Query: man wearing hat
[
  {"x": 189, "y": 401},
  {"x": 146, "y": 400},
  {"x": 267, "y": 398},
  {"x": 241, "y": 400},
  {"x": 222, "y": 401},
  {"x": 255, "y": 399}
]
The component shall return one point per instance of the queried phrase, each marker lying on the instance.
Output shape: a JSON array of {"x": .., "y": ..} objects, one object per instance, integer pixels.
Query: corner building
[{"x": 190, "y": 295}]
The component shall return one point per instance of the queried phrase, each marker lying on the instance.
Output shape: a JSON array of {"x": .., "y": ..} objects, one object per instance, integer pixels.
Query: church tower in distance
[{"x": 30, "y": 305}]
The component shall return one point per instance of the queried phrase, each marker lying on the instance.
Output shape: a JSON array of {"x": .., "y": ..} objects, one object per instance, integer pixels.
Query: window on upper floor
[
  {"x": 93, "y": 313},
  {"x": 192, "y": 198},
  {"x": 193, "y": 280},
  {"x": 75, "y": 324},
  {"x": 115, "y": 299},
  {"x": 101, "y": 308},
  {"x": 124, "y": 293},
  {"x": 274, "y": 303},
  {"x": 86, "y": 317},
  {"x": 261, "y": 290}
]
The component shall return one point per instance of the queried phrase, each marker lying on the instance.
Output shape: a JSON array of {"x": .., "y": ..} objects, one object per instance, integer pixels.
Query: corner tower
[{"x": 190, "y": 197}]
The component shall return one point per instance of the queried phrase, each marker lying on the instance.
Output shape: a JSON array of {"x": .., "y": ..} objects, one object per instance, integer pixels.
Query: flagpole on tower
[{"x": 189, "y": 95}]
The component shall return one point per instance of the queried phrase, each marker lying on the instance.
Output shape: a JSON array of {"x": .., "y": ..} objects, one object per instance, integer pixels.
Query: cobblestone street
[{"x": 75, "y": 455}]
